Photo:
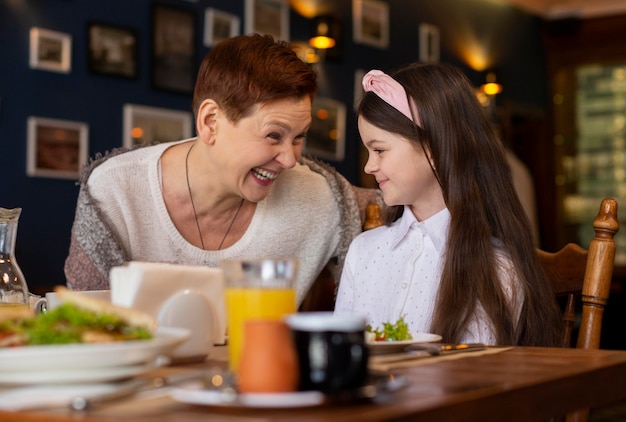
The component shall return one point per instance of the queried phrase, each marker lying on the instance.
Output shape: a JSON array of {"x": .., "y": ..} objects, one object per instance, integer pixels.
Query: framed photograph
[
  {"x": 370, "y": 22},
  {"x": 56, "y": 148},
  {"x": 219, "y": 26},
  {"x": 112, "y": 50},
  {"x": 50, "y": 50},
  {"x": 173, "y": 49},
  {"x": 327, "y": 134},
  {"x": 150, "y": 125},
  {"x": 268, "y": 17},
  {"x": 429, "y": 43}
]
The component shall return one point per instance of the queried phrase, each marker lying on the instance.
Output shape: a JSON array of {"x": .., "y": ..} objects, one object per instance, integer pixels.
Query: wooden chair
[{"x": 584, "y": 276}]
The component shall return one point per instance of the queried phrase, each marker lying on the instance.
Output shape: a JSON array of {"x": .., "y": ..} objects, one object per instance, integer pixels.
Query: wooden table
[{"x": 519, "y": 384}]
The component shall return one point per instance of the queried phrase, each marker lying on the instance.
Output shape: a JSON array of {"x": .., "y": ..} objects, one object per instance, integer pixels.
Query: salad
[{"x": 398, "y": 331}]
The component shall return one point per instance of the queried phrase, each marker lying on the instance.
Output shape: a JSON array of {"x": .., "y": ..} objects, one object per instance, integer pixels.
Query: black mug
[{"x": 331, "y": 349}]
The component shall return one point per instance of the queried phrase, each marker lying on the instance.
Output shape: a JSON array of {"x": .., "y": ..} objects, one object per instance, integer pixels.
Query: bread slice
[
  {"x": 10, "y": 313},
  {"x": 131, "y": 316}
]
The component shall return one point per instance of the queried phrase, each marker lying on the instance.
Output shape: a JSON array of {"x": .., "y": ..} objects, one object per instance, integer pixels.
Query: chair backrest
[{"x": 584, "y": 276}]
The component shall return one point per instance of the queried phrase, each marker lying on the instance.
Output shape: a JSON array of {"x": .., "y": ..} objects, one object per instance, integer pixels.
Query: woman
[
  {"x": 236, "y": 190},
  {"x": 458, "y": 259}
]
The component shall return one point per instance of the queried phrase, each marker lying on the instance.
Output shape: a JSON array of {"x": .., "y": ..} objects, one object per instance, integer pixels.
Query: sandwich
[{"x": 79, "y": 319}]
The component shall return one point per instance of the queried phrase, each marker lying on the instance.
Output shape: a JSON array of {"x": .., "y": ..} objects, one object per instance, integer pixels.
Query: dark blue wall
[{"x": 510, "y": 35}]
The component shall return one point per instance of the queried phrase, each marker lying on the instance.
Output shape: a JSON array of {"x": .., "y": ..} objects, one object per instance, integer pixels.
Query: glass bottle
[
  {"x": 13, "y": 287},
  {"x": 373, "y": 217}
]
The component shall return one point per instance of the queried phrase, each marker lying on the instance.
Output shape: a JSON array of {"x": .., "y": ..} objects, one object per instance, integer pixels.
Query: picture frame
[
  {"x": 50, "y": 50},
  {"x": 370, "y": 23},
  {"x": 112, "y": 50},
  {"x": 267, "y": 17},
  {"x": 56, "y": 148},
  {"x": 150, "y": 125},
  {"x": 429, "y": 43},
  {"x": 327, "y": 133},
  {"x": 219, "y": 25},
  {"x": 173, "y": 49}
]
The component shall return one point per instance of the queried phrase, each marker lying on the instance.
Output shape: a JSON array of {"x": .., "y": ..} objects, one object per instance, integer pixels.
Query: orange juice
[{"x": 253, "y": 303}]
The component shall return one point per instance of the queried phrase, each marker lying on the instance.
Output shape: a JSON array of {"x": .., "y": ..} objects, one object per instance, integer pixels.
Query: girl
[{"x": 457, "y": 257}]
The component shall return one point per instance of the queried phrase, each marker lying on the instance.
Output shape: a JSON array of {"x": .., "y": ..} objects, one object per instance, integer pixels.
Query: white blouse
[{"x": 394, "y": 271}]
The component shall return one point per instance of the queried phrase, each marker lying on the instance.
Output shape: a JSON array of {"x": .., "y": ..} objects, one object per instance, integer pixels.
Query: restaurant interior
[{"x": 79, "y": 78}]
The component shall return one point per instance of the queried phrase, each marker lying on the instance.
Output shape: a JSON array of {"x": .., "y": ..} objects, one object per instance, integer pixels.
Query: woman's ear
[{"x": 206, "y": 120}]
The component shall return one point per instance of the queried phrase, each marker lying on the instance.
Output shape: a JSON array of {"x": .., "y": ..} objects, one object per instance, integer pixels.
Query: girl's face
[
  {"x": 261, "y": 145},
  {"x": 402, "y": 171}
]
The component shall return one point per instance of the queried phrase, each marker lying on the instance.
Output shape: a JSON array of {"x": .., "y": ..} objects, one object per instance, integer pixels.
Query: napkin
[{"x": 147, "y": 286}]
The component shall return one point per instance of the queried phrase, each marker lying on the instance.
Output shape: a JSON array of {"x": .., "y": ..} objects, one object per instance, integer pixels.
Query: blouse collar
[{"x": 435, "y": 227}]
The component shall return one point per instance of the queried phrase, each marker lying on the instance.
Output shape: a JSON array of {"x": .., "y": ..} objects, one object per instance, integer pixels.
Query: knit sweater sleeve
[{"x": 94, "y": 249}]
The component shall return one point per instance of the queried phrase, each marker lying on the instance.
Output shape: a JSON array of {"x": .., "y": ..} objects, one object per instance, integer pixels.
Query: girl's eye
[{"x": 377, "y": 150}]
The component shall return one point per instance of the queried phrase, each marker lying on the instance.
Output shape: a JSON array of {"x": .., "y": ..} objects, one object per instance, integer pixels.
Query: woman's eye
[
  {"x": 299, "y": 140},
  {"x": 274, "y": 135}
]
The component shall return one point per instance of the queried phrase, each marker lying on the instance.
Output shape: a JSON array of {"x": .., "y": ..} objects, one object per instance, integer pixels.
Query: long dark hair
[{"x": 486, "y": 214}]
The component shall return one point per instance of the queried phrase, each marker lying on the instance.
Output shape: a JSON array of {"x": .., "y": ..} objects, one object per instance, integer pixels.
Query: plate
[
  {"x": 76, "y": 376},
  {"x": 47, "y": 396},
  {"x": 381, "y": 347},
  {"x": 90, "y": 356},
  {"x": 254, "y": 400}
]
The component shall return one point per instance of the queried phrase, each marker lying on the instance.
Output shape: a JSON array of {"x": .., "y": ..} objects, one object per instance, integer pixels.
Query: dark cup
[{"x": 331, "y": 350}]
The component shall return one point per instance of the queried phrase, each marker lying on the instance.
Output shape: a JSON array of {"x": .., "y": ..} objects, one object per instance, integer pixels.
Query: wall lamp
[
  {"x": 491, "y": 87},
  {"x": 325, "y": 35}
]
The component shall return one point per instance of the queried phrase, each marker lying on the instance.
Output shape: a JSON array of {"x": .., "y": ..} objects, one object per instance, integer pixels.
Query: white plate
[
  {"x": 380, "y": 347},
  {"x": 45, "y": 396},
  {"x": 90, "y": 356},
  {"x": 67, "y": 376},
  {"x": 256, "y": 400}
]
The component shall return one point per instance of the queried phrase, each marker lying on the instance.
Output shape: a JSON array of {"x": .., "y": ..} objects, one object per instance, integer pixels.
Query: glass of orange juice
[{"x": 256, "y": 289}]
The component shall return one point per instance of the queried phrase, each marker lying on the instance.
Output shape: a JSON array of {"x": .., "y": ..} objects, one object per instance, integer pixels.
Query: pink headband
[{"x": 389, "y": 90}]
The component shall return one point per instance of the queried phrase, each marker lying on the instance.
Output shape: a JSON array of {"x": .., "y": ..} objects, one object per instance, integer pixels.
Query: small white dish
[
  {"x": 382, "y": 347},
  {"x": 252, "y": 400},
  {"x": 190, "y": 310}
]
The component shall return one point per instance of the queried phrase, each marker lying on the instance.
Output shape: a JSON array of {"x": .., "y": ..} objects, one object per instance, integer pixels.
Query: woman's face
[
  {"x": 402, "y": 171},
  {"x": 261, "y": 145}
]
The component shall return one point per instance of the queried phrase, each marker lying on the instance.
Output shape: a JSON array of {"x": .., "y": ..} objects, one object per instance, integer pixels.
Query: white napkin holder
[{"x": 177, "y": 296}]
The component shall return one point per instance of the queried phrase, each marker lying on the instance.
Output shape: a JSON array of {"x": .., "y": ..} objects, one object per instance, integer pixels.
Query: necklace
[{"x": 193, "y": 206}]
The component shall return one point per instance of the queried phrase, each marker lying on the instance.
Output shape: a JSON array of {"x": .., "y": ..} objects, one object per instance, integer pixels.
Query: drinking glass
[
  {"x": 13, "y": 289},
  {"x": 256, "y": 289}
]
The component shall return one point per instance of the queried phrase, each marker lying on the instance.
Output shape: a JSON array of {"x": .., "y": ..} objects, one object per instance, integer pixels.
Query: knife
[
  {"x": 437, "y": 349},
  {"x": 425, "y": 350}
]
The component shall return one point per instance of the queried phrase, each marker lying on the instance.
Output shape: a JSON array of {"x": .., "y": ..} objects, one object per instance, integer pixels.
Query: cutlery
[
  {"x": 425, "y": 350},
  {"x": 213, "y": 379},
  {"x": 437, "y": 349}
]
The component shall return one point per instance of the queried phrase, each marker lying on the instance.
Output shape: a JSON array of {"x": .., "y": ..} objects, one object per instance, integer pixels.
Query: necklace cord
[{"x": 193, "y": 206}]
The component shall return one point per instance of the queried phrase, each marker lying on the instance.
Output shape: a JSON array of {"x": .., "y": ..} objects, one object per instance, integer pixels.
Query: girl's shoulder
[{"x": 374, "y": 237}]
